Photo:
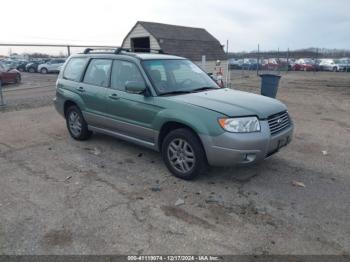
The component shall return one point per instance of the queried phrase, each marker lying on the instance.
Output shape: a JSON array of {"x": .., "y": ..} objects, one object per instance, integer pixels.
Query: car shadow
[{"x": 240, "y": 174}]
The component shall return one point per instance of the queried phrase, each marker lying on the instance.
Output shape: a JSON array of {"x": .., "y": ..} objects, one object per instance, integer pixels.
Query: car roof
[{"x": 140, "y": 56}]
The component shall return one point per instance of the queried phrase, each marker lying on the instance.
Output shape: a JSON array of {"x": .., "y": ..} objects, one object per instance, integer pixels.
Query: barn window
[{"x": 140, "y": 44}]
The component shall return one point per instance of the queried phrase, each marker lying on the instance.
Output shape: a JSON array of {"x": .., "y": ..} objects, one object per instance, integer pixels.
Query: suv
[
  {"x": 169, "y": 104},
  {"x": 51, "y": 66}
]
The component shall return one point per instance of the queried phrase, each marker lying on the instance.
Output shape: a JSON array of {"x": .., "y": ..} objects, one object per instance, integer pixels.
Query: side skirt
[{"x": 124, "y": 137}]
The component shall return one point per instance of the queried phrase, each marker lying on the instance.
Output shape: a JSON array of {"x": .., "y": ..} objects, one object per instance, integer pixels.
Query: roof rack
[{"x": 118, "y": 50}]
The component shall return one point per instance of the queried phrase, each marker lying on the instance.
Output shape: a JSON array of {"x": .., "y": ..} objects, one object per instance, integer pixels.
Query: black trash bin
[{"x": 269, "y": 84}]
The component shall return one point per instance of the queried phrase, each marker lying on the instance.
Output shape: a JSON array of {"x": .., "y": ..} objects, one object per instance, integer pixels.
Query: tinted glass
[
  {"x": 75, "y": 68},
  {"x": 98, "y": 72},
  {"x": 123, "y": 72}
]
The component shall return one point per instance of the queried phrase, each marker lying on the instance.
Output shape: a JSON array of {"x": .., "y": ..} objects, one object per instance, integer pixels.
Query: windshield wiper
[
  {"x": 176, "y": 92},
  {"x": 204, "y": 88}
]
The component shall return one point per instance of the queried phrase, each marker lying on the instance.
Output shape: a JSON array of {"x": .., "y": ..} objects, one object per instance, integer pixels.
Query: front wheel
[
  {"x": 43, "y": 71},
  {"x": 183, "y": 154},
  {"x": 76, "y": 124}
]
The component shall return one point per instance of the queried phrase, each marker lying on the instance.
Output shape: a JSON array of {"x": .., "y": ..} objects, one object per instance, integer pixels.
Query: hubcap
[
  {"x": 74, "y": 122},
  {"x": 181, "y": 155}
]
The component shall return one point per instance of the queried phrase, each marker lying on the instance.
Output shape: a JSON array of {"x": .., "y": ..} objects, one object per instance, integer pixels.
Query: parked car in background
[
  {"x": 304, "y": 64},
  {"x": 250, "y": 64},
  {"x": 328, "y": 65},
  {"x": 32, "y": 67},
  {"x": 270, "y": 64},
  {"x": 21, "y": 66},
  {"x": 234, "y": 63},
  {"x": 9, "y": 75},
  {"x": 52, "y": 66},
  {"x": 343, "y": 64},
  {"x": 9, "y": 63}
]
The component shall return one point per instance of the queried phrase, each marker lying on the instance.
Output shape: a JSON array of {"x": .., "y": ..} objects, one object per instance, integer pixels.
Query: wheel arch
[
  {"x": 169, "y": 126},
  {"x": 67, "y": 104}
]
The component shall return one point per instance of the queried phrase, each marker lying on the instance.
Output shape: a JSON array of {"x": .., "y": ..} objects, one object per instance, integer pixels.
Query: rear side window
[
  {"x": 98, "y": 72},
  {"x": 75, "y": 68}
]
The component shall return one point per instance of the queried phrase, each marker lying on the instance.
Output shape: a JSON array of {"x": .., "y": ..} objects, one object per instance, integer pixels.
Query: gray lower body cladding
[{"x": 230, "y": 149}]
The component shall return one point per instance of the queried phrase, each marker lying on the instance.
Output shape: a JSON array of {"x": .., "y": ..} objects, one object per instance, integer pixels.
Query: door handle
[
  {"x": 81, "y": 89},
  {"x": 114, "y": 96}
]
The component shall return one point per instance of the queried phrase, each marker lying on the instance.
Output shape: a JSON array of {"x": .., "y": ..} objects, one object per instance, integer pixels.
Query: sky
[{"x": 273, "y": 24}]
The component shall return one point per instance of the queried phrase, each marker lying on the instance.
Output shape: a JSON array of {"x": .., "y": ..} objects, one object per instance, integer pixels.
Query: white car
[
  {"x": 51, "y": 66},
  {"x": 328, "y": 65}
]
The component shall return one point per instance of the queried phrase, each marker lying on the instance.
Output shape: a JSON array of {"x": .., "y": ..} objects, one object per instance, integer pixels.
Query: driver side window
[{"x": 123, "y": 72}]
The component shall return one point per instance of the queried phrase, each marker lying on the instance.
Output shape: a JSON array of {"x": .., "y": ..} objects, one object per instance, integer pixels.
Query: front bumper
[{"x": 241, "y": 149}]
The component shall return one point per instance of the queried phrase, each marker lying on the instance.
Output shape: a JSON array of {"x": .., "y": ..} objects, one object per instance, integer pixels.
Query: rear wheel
[
  {"x": 43, "y": 70},
  {"x": 76, "y": 124},
  {"x": 31, "y": 70},
  {"x": 183, "y": 154}
]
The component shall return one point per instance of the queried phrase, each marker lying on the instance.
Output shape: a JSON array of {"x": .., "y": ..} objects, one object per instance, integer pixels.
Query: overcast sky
[{"x": 245, "y": 23}]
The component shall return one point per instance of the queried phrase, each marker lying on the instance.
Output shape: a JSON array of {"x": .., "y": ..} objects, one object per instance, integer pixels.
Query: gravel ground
[{"x": 106, "y": 196}]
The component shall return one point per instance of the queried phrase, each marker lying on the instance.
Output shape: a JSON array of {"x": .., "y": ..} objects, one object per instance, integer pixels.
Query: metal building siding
[{"x": 140, "y": 31}]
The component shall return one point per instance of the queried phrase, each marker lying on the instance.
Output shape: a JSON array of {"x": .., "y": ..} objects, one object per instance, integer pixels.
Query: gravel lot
[{"x": 106, "y": 196}]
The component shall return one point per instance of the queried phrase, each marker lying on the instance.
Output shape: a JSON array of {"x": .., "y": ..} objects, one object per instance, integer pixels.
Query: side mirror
[{"x": 136, "y": 87}]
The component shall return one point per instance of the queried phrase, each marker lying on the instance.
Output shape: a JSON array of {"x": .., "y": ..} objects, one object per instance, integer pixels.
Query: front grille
[{"x": 279, "y": 122}]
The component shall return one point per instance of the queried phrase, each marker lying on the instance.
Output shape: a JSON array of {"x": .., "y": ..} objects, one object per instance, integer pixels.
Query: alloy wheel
[
  {"x": 181, "y": 155},
  {"x": 75, "y": 124}
]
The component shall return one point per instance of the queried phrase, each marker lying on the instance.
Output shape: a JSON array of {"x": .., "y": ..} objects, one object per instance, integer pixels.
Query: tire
[
  {"x": 44, "y": 70},
  {"x": 31, "y": 70},
  {"x": 18, "y": 79},
  {"x": 183, "y": 154},
  {"x": 335, "y": 69},
  {"x": 78, "y": 130}
]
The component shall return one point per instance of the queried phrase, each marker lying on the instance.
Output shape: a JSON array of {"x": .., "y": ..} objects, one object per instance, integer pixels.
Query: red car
[
  {"x": 9, "y": 75},
  {"x": 304, "y": 65}
]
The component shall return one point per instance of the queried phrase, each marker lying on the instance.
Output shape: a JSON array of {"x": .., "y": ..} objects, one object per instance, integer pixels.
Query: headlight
[{"x": 240, "y": 124}]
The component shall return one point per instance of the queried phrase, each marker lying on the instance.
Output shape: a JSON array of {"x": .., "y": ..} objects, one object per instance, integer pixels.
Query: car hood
[{"x": 233, "y": 103}]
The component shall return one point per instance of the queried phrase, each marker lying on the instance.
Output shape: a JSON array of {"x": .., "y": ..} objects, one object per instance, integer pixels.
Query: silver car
[{"x": 51, "y": 66}]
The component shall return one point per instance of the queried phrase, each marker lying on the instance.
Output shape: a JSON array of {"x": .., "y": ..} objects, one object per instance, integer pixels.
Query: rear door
[{"x": 93, "y": 90}]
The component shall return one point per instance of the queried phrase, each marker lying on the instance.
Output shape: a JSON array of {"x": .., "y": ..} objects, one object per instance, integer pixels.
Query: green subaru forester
[{"x": 169, "y": 104}]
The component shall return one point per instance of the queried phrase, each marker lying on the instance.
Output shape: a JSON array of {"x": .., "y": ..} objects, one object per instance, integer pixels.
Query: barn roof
[{"x": 189, "y": 42}]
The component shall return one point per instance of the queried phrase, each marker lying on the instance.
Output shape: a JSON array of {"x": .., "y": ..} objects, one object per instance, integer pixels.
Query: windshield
[{"x": 177, "y": 75}]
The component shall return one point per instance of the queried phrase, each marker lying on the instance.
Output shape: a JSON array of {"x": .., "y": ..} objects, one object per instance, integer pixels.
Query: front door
[{"x": 131, "y": 114}]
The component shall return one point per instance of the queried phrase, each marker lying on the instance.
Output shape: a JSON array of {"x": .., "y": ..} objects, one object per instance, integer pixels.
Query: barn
[{"x": 196, "y": 44}]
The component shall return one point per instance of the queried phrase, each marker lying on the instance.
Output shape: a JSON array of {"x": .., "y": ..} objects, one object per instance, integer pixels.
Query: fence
[{"x": 315, "y": 59}]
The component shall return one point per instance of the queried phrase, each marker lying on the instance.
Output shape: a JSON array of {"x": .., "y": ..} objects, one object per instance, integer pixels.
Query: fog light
[{"x": 249, "y": 157}]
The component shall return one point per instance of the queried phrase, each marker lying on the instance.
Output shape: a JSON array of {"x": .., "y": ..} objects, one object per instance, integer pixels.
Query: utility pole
[
  {"x": 258, "y": 61},
  {"x": 227, "y": 67},
  {"x": 287, "y": 60}
]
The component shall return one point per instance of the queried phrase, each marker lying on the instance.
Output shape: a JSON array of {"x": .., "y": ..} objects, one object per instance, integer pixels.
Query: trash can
[{"x": 269, "y": 84}]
